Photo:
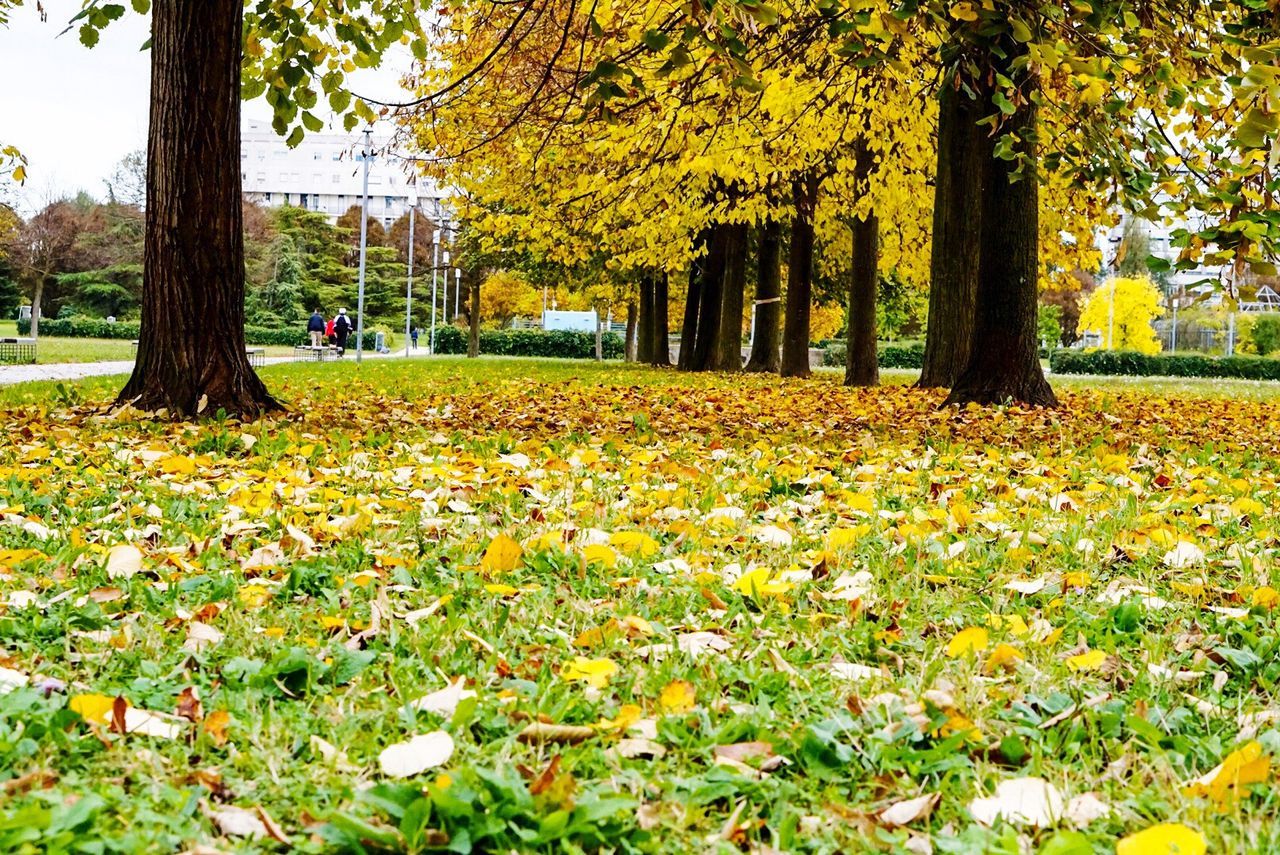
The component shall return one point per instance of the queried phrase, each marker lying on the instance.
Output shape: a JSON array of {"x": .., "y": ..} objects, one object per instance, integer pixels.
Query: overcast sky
[{"x": 76, "y": 112}]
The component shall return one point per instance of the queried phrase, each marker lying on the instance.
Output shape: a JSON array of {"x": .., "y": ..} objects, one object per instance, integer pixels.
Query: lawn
[
  {"x": 53, "y": 349},
  {"x": 511, "y": 605}
]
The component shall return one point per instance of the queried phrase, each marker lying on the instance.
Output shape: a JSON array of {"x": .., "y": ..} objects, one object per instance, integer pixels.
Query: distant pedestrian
[
  {"x": 315, "y": 326},
  {"x": 329, "y": 333},
  {"x": 342, "y": 327},
  {"x": 413, "y": 334}
]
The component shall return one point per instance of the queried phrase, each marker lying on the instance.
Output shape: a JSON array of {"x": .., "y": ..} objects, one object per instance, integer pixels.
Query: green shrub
[
  {"x": 888, "y": 355},
  {"x": 128, "y": 330},
  {"x": 555, "y": 344},
  {"x": 1266, "y": 334},
  {"x": 1132, "y": 364}
]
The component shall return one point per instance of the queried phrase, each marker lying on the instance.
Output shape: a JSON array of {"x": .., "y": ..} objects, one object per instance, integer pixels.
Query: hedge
[
  {"x": 98, "y": 328},
  {"x": 888, "y": 355},
  {"x": 1133, "y": 364},
  {"x": 556, "y": 343}
]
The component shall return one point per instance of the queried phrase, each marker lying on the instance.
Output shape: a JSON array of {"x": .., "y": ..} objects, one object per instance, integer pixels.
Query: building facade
[{"x": 325, "y": 173}]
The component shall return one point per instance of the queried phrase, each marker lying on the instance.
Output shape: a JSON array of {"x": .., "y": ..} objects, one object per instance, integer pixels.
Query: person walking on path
[
  {"x": 342, "y": 327},
  {"x": 329, "y": 335},
  {"x": 315, "y": 326},
  {"x": 413, "y": 334}
]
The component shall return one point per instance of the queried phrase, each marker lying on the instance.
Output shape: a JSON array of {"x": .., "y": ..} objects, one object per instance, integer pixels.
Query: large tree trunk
[
  {"x": 629, "y": 346},
  {"x": 693, "y": 302},
  {"x": 765, "y": 354},
  {"x": 795, "y": 335},
  {"x": 37, "y": 297},
  {"x": 861, "y": 366},
  {"x": 659, "y": 333},
  {"x": 727, "y": 353},
  {"x": 191, "y": 354},
  {"x": 710, "y": 302},
  {"x": 957, "y": 212},
  {"x": 473, "y": 317},
  {"x": 645, "y": 324},
  {"x": 1004, "y": 360}
]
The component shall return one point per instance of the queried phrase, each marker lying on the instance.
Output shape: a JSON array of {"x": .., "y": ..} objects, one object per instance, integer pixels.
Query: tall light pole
[
  {"x": 436, "y": 234},
  {"x": 457, "y": 290},
  {"x": 444, "y": 313},
  {"x": 364, "y": 244},
  {"x": 408, "y": 291}
]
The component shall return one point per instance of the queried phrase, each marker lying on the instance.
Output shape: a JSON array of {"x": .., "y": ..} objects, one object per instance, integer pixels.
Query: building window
[
  {"x": 316, "y": 156},
  {"x": 337, "y": 155},
  {"x": 268, "y": 198}
]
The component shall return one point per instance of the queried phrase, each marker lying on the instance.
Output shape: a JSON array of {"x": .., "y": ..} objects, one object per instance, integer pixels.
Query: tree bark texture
[
  {"x": 645, "y": 324},
  {"x": 629, "y": 346},
  {"x": 1004, "y": 360},
  {"x": 659, "y": 333},
  {"x": 861, "y": 365},
  {"x": 766, "y": 345},
  {"x": 795, "y": 335},
  {"x": 37, "y": 297},
  {"x": 726, "y": 355},
  {"x": 191, "y": 351},
  {"x": 473, "y": 316},
  {"x": 693, "y": 302},
  {"x": 710, "y": 302},
  {"x": 957, "y": 212}
]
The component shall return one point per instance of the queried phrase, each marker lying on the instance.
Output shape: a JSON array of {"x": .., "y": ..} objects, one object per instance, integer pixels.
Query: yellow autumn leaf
[
  {"x": 1266, "y": 597},
  {"x": 628, "y": 714},
  {"x": 254, "y": 596},
  {"x": 95, "y": 708},
  {"x": 1088, "y": 661},
  {"x": 502, "y": 590},
  {"x": 757, "y": 583},
  {"x": 971, "y": 640},
  {"x": 678, "y": 696},
  {"x": 1170, "y": 838},
  {"x": 634, "y": 543},
  {"x": 593, "y": 672},
  {"x": 599, "y": 553},
  {"x": 846, "y": 538},
  {"x": 501, "y": 556},
  {"x": 1244, "y": 766},
  {"x": 1003, "y": 656}
]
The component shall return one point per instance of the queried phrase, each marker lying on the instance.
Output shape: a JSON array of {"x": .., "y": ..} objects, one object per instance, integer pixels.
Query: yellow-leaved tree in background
[{"x": 1137, "y": 304}]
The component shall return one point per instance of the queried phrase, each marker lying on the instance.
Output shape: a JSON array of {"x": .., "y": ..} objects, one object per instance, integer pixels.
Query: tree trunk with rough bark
[
  {"x": 727, "y": 352},
  {"x": 693, "y": 302},
  {"x": 659, "y": 333},
  {"x": 795, "y": 335},
  {"x": 37, "y": 296},
  {"x": 1004, "y": 359},
  {"x": 191, "y": 352},
  {"x": 957, "y": 213},
  {"x": 766, "y": 345},
  {"x": 861, "y": 366},
  {"x": 645, "y": 322},
  {"x": 473, "y": 316},
  {"x": 629, "y": 346},
  {"x": 710, "y": 302}
]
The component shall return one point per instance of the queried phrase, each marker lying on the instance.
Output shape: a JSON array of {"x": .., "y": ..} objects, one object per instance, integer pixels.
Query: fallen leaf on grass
[
  {"x": 678, "y": 697},
  {"x": 444, "y": 701},
  {"x": 908, "y": 811},
  {"x": 235, "y": 821},
  {"x": 971, "y": 640},
  {"x": 593, "y": 672},
  {"x": 422, "y": 752},
  {"x": 11, "y": 679},
  {"x": 501, "y": 556},
  {"x": 1085, "y": 809},
  {"x": 1170, "y": 838},
  {"x": 1090, "y": 660},
  {"x": 1222, "y": 784},
  {"x": 632, "y": 747},
  {"x": 537, "y": 731},
  {"x": 215, "y": 724},
  {"x": 1023, "y": 801},
  {"x": 201, "y": 636},
  {"x": 123, "y": 561}
]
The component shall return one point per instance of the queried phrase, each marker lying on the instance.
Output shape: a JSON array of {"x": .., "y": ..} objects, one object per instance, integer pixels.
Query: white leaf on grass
[
  {"x": 237, "y": 822},
  {"x": 639, "y": 747},
  {"x": 855, "y": 586},
  {"x": 156, "y": 724},
  {"x": 201, "y": 636},
  {"x": 853, "y": 671},
  {"x": 1184, "y": 555},
  {"x": 907, "y": 812},
  {"x": 425, "y": 751},
  {"x": 445, "y": 701},
  {"x": 21, "y": 600},
  {"x": 1085, "y": 808},
  {"x": 772, "y": 535},
  {"x": 1022, "y": 801},
  {"x": 123, "y": 561},
  {"x": 11, "y": 679},
  {"x": 698, "y": 643}
]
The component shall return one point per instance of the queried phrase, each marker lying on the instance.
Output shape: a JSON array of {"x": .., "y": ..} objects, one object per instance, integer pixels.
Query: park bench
[
  {"x": 257, "y": 355},
  {"x": 307, "y": 353},
  {"x": 17, "y": 351}
]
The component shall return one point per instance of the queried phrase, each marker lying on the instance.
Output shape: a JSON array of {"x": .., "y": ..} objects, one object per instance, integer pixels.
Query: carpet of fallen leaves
[{"x": 707, "y": 615}]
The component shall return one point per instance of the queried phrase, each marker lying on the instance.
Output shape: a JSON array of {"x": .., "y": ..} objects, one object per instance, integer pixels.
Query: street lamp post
[
  {"x": 436, "y": 234},
  {"x": 408, "y": 291},
  {"x": 457, "y": 290},
  {"x": 444, "y": 312},
  {"x": 364, "y": 244}
]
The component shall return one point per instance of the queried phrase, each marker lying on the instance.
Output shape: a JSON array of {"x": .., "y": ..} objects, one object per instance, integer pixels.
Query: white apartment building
[{"x": 325, "y": 173}]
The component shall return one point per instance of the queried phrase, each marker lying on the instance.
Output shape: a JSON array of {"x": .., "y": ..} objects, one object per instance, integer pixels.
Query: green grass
[
  {"x": 53, "y": 350},
  {"x": 306, "y": 541}
]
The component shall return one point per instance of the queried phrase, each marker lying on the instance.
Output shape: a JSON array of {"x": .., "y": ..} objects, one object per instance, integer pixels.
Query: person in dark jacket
[
  {"x": 315, "y": 326},
  {"x": 342, "y": 327}
]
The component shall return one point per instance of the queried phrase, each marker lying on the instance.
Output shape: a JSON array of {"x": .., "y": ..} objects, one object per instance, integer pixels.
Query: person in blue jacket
[{"x": 315, "y": 326}]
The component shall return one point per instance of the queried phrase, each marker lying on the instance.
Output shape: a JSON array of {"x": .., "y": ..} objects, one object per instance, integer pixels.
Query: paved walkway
[{"x": 11, "y": 374}]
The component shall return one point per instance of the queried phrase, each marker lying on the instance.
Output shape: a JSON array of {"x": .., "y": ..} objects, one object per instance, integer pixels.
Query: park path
[{"x": 11, "y": 374}]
